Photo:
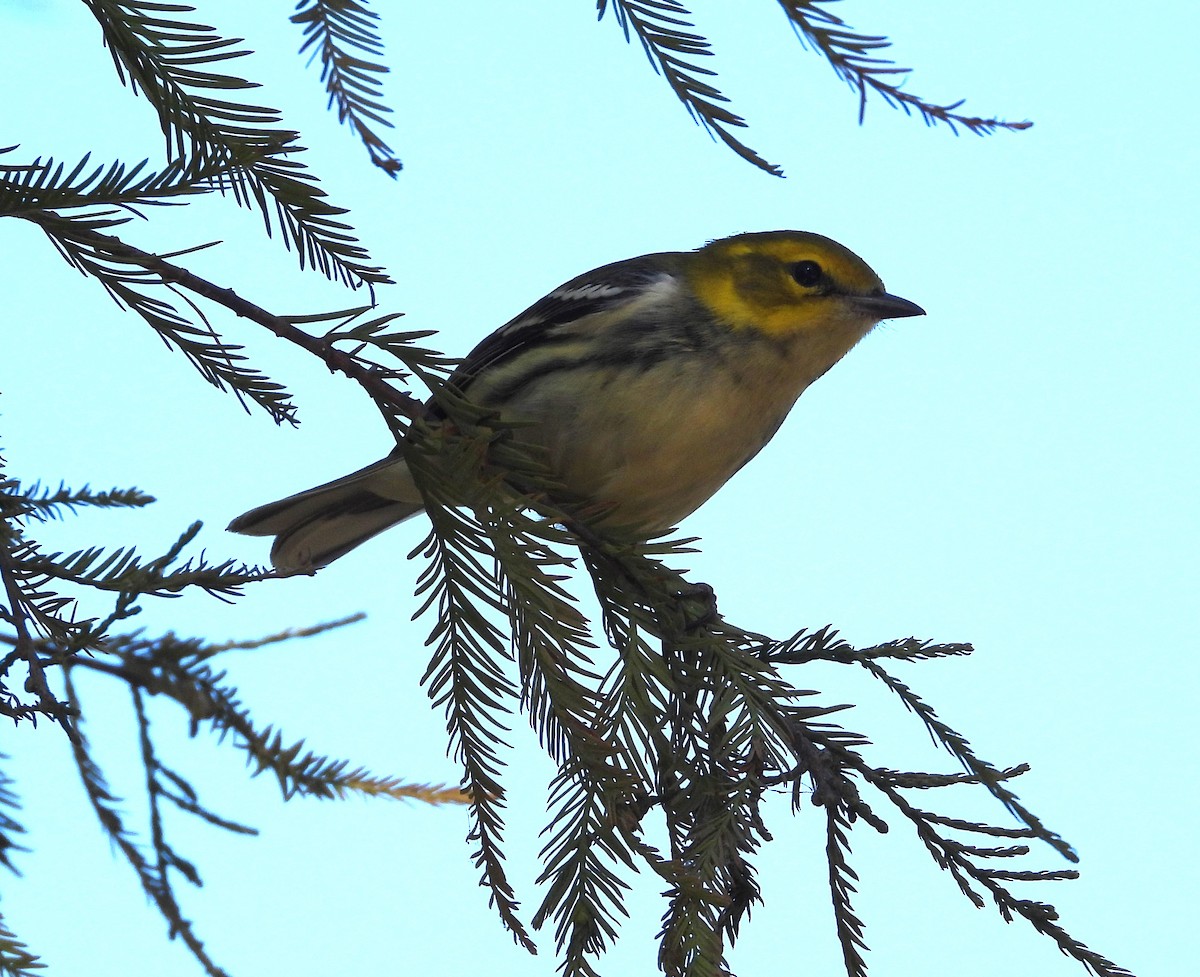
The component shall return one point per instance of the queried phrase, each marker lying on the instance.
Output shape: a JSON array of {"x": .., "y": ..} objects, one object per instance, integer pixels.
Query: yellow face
[{"x": 782, "y": 282}]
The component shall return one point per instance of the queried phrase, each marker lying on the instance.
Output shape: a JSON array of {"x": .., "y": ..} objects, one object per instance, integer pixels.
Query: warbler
[{"x": 647, "y": 383}]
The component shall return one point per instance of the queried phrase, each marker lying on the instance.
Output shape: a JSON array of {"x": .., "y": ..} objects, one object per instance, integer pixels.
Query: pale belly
[{"x": 655, "y": 451}]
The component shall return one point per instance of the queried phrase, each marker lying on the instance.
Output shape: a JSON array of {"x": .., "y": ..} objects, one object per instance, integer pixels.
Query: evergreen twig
[{"x": 337, "y": 32}]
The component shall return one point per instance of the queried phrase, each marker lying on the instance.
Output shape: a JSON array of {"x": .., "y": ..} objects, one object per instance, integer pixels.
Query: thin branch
[
  {"x": 367, "y": 376},
  {"x": 667, "y": 36},
  {"x": 168, "y": 61},
  {"x": 16, "y": 959},
  {"x": 333, "y": 30},
  {"x": 853, "y": 59},
  {"x": 25, "y": 648},
  {"x": 104, "y": 805}
]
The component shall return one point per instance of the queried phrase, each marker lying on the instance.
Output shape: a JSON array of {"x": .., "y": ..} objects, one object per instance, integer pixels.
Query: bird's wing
[{"x": 595, "y": 291}]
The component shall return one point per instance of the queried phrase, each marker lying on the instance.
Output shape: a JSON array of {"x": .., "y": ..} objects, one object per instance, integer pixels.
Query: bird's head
[{"x": 787, "y": 283}]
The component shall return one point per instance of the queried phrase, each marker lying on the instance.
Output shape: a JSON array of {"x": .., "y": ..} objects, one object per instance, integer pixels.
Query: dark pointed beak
[{"x": 887, "y": 306}]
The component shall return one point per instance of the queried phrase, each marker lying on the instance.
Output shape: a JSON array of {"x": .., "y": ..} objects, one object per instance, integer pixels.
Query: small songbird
[{"x": 648, "y": 383}]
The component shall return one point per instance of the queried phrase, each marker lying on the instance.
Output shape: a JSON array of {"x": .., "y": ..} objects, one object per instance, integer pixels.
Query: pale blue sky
[{"x": 1017, "y": 469}]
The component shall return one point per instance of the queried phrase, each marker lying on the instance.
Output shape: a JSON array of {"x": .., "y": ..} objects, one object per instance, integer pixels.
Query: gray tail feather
[{"x": 316, "y": 527}]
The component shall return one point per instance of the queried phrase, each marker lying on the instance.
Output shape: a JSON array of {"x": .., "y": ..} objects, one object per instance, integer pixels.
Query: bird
[{"x": 646, "y": 383}]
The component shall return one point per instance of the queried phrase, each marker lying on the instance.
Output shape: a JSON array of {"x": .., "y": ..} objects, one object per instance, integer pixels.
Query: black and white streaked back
[{"x": 599, "y": 290}]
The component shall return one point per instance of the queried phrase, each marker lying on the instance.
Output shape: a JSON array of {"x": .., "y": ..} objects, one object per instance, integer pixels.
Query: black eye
[{"x": 807, "y": 273}]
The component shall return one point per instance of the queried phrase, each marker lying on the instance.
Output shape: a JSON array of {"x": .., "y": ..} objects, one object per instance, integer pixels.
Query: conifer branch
[
  {"x": 46, "y": 185},
  {"x": 956, "y": 859},
  {"x": 32, "y": 611},
  {"x": 154, "y": 878},
  {"x": 9, "y": 826},
  {"x": 337, "y": 32},
  {"x": 854, "y": 59},
  {"x": 842, "y": 877},
  {"x": 222, "y": 365},
  {"x": 672, "y": 44},
  {"x": 168, "y": 62},
  {"x": 43, "y": 504},
  {"x": 132, "y": 284},
  {"x": 584, "y": 892},
  {"x": 16, "y": 959},
  {"x": 980, "y": 770},
  {"x": 466, "y": 680},
  {"x": 668, "y": 38}
]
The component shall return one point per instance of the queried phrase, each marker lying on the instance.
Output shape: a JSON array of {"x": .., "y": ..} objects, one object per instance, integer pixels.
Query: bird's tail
[{"x": 316, "y": 527}]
